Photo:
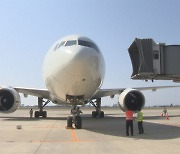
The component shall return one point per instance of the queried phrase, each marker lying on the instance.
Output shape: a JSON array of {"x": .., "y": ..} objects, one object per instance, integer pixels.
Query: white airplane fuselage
[{"x": 73, "y": 70}]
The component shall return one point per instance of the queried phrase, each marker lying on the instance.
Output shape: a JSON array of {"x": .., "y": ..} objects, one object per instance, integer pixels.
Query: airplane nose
[{"x": 82, "y": 61}]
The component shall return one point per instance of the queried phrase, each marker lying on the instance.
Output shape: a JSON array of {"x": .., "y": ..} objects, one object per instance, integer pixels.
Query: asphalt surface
[{"x": 22, "y": 135}]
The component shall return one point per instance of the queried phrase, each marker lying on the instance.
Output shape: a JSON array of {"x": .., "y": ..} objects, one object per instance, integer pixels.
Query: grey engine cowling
[
  {"x": 9, "y": 100},
  {"x": 131, "y": 99}
]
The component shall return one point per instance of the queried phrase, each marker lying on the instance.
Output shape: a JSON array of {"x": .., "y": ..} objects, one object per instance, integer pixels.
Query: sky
[{"x": 28, "y": 29}]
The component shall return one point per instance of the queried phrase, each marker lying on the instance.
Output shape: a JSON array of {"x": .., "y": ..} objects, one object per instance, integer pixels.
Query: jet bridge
[{"x": 154, "y": 61}]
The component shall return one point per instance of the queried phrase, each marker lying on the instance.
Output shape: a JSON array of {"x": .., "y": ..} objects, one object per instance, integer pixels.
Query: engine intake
[
  {"x": 9, "y": 100},
  {"x": 131, "y": 99}
]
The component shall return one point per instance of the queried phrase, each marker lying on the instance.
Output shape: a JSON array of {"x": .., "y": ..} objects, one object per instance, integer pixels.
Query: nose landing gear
[
  {"x": 75, "y": 118},
  {"x": 75, "y": 111}
]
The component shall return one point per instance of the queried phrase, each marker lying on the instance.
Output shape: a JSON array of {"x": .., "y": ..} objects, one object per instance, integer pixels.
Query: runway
[{"x": 105, "y": 135}]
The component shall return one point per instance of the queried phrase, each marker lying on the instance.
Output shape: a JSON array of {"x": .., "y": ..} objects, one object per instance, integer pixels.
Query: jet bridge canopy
[{"x": 154, "y": 61}]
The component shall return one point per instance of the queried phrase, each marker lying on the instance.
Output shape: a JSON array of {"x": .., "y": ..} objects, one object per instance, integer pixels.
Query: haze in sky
[{"x": 29, "y": 28}]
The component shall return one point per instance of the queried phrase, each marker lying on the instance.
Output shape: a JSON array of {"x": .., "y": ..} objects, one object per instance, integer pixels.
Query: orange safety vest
[{"x": 129, "y": 115}]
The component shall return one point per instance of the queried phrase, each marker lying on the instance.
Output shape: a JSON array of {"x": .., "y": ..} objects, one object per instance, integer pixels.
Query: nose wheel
[{"x": 75, "y": 118}]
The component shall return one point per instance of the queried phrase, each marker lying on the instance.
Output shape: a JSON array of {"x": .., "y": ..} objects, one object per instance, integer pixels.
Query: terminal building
[{"x": 154, "y": 61}]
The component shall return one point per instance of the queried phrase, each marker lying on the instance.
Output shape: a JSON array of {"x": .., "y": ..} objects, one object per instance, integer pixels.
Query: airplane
[{"x": 73, "y": 72}]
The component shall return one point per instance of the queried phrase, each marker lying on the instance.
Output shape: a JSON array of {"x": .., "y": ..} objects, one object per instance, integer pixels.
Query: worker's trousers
[
  {"x": 129, "y": 125},
  {"x": 140, "y": 127}
]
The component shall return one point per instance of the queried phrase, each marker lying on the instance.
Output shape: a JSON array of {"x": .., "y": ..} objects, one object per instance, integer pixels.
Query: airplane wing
[
  {"x": 43, "y": 93},
  {"x": 112, "y": 92}
]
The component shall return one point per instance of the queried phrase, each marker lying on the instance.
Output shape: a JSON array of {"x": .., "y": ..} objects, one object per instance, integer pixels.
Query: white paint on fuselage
[{"x": 73, "y": 70}]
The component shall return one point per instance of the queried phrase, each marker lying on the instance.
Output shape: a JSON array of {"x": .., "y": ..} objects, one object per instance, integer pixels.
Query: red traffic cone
[{"x": 167, "y": 116}]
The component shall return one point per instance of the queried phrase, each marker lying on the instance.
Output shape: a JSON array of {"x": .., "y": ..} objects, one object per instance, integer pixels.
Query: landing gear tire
[
  {"x": 44, "y": 114},
  {"x": 69, "y": 121},
  {"x": 36, "y": 114},
  {"x": 102, "y": 114},
  {"x": 78, "y": 122},
  {"x": 94, "y": 114}
]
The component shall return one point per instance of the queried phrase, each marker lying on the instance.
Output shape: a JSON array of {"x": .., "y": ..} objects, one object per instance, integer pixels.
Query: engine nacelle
[
  {"x": 9, "y": 100},
  {"x": 131, "y": 99}
]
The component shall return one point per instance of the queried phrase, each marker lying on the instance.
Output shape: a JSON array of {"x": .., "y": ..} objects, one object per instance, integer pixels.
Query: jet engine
[
  {"x": 131, "y": 99},
  {"x": 9, "y": 100}
]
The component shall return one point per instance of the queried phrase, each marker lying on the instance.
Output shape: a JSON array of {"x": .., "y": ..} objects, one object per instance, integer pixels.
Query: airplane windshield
[
  {"x": 71, "y": 42},
  {"x": 88, "y": 44},
  {"x": 61, "y": 44},
  {"x": 75, "y": 42}
]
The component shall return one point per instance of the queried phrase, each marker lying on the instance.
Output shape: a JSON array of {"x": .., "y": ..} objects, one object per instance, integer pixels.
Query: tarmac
[{"x": 21, "y": 135}]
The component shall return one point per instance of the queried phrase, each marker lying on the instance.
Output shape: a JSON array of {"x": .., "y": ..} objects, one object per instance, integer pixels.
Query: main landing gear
[
  {"x": 41, "y": 113},
  {"x": 75, "y": 118},
  {"x": 98, "y": 113}
]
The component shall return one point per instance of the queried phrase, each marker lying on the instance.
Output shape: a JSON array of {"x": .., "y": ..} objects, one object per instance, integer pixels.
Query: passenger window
[{"x": 70, "y": 43}]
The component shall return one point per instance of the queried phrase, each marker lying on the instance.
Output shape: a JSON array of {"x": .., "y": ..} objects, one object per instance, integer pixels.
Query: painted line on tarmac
[
  {"x": 73, "y": 133},
  {"x": 75, "y": 139},
  {"x": 61, "y": 141},
  {"x": 48, "y": 127}
]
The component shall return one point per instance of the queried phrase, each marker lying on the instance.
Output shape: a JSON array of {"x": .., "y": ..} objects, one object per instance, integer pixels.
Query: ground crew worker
[
  {"x": 140, "y": 121},
  {"x": 31, "y": 113},
  {"x": 165, "y": 111},
  {"x": 78, "y": 111},
  {"x": 129, "y": 122}
]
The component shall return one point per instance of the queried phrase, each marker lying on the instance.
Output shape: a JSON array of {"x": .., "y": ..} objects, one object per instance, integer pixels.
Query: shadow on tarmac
[
  {"x": 29, "y": 119},
  {"x": 115, "y": 126}
]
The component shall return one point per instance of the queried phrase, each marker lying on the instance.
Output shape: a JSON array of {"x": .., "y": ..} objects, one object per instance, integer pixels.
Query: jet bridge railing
[{"x": 154, "y": 61}]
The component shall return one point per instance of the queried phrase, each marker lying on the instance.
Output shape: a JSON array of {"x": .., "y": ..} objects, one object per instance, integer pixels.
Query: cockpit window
[
  {"x": 75, "y": 42},
  {"x": 71, "y": 42},
  {"x": 61, "y": 44},
  {"x": 88, "y": 44},
  {"x": 56, "y": 46}
]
